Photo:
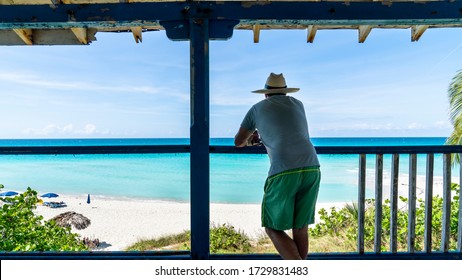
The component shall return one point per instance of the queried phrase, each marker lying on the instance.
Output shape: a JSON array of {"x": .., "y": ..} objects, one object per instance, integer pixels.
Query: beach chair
[{"x": 54, "y": 204}]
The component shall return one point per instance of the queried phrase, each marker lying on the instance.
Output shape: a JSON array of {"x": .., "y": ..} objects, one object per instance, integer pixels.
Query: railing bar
[
  {"x": 446, "y": 202},
  {"x": 151, "y": 149},
  {"x": 412, "y": 203},
  {"x": 378, "y": 203},
  {"x": 361, "y": 201},
  {"x": 459, "y": 227},
  {"x": 394, "y": 203},
  {"x": 429, "y": 203}
]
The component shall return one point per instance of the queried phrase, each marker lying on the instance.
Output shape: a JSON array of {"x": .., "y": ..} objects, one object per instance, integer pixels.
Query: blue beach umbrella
[
  {"x": 10, "y": 193},
  {"x": 49, "y": 195},
  {"x": 88, "y": 199}
]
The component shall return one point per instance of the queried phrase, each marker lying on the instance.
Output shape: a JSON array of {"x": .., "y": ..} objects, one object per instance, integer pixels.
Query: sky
[{"x": 115, "y": 88}]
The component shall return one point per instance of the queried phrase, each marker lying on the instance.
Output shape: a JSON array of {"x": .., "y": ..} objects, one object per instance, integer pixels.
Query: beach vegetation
[
  {"x": 22, "y": 230},
  {"x": 226, "y": 238},
  {"x": 336, "y": 231},
  {"x": 340, "y": 226},
  {"x": 179, "y": 241},
  {"x": 223, "y": 239}
]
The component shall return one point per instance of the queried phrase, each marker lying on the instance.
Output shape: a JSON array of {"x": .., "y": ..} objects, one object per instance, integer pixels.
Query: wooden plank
[
  {"x": 137, "y": 32},
  {"x": 25, "y": 35},
  {"x": 412, "y": 203},
  {"x": 364, "y": 31},
  {"x": 429, "y": 203},
  {"x": 417, "y": 31},
  {"x": 81, "y": 34},
  {"x": 378, "y": 203},
  {"x": 394, "y": 203},
  {"x": 256, "y": 33},
  {"x": 361, "y": 201},
  {"x": 446, "y": 202},
  {"x": 311, "y": 33}
]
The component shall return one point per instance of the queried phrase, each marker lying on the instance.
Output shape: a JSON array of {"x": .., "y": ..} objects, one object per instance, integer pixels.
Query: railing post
[
  {"x": 412, "y": 203},
  {"x": 394, "y": 203},
  {"x": 429, "y": 204},
  {"x": 378, "y": 203},
  {"x": 200, "y": 134},
  {"x": 361, "y": 201},
  {"x": 446, "y": 202},
  {"x": 459, "y": 227}
]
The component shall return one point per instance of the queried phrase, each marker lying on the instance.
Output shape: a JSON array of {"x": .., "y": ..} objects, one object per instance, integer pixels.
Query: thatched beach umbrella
[{"x": 71, "y": 218}]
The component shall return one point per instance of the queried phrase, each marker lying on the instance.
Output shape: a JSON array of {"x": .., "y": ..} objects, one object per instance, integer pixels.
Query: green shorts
[{"x": 290, "y": 198}]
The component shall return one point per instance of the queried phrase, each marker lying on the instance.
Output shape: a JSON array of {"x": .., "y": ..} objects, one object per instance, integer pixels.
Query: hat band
[{"x": 270, "y": 87}]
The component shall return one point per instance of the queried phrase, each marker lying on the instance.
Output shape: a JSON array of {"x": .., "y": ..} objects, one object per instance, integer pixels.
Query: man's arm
[{"x": 240, "y": 140}]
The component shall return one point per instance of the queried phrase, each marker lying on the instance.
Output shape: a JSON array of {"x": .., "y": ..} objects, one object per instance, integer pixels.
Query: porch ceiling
[{"x": 76, "y": 22}]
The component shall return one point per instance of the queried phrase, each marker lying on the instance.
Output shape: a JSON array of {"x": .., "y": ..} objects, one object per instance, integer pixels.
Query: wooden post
[
  {"x": 412, "y": 203},
  {"x": 429, "y": 204},
  {"x": 200, "y": 134},
  {"x": 378, "y": 203},
  {"x": 394, "y": 203},
  {"x": 361, "y": 201},
  {"x": 446, "y": 202}
]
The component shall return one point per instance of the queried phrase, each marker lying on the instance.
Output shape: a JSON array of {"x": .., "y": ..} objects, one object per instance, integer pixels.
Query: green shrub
[
  {"x": 22, "y": 230},
  {"x": 225, "y": 238},
  {"x": 343, "y": 223}
]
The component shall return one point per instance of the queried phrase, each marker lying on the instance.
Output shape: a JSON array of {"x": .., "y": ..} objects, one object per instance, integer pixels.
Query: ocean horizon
[{"x": 234, "y": 178}]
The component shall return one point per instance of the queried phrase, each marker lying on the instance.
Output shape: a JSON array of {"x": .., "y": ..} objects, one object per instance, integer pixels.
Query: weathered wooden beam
[
  {"x": 25, "y": 35},
  {"x": 323, "y": 13},
  {"x": 137, "y": 32},
  {"x": 256, "y": 33},
  {"x": 417, "y": 31},
  {"x": 81, "y": 34},
  {"x": 311, "y": 33},
  {"x": 364, "y": 31}
]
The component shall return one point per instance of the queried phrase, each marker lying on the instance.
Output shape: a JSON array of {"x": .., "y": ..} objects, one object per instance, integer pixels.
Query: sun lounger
[{"x": 54, "y": 204}]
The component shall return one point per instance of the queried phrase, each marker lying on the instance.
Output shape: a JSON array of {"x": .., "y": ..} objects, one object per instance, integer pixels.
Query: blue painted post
[{"x": 199, "y": 133}]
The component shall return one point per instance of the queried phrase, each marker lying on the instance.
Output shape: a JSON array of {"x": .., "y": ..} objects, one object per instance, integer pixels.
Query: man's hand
[
  {"x": 242, "y": 136},
  {"x": 254, "y": 139}
]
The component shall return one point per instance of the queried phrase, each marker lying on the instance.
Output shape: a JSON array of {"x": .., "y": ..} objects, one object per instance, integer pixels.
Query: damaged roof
[{"x": 77, "y": 22}]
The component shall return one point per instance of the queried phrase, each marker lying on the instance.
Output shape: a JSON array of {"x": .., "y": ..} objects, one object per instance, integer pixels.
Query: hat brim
[{"x": 277, "y": 90}]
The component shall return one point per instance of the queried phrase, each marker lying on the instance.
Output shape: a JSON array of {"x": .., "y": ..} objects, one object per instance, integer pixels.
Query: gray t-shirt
[{"x": 282, "y": 125}]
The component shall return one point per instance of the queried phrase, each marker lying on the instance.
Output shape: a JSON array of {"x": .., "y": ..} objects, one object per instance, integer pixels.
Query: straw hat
[{"x": 276, "y": 83}]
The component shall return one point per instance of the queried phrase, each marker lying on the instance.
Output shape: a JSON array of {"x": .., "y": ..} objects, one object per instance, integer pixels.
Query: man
[{"x": 291, "y": 188}]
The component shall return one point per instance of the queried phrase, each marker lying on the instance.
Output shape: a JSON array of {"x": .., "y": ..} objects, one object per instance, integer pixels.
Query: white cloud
[
  {"x": 415, "y": 126},
  {"x": 30, "y": 79},
  {"x": 67, "y": 130}
]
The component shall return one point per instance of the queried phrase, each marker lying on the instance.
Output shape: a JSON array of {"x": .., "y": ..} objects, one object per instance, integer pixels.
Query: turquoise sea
[{"x": 234, "y": 178}]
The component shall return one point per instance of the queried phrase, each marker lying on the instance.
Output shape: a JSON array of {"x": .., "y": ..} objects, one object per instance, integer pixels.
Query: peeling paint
[{"x": 250, "y": 4}]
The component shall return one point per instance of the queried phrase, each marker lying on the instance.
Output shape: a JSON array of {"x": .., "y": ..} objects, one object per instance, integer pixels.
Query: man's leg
[
  {"x": 301, "y": 240},
  {"x": 285, "y": 245}
]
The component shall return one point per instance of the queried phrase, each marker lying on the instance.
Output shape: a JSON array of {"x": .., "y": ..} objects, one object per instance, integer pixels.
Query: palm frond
[{"x": 455, "y": 97}]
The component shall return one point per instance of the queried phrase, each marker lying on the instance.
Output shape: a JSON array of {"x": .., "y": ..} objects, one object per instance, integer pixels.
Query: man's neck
[{"x": 273, "y": 94}]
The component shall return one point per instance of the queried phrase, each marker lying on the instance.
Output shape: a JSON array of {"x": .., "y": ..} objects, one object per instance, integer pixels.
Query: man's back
[{"x": 282, "y": 125}]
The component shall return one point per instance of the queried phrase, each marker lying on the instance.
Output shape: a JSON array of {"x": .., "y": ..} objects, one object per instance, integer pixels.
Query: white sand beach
[{"x": 118, "y": 223}]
